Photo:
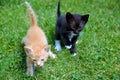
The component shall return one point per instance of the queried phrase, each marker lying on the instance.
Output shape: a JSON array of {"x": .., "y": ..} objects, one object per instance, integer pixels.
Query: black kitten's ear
[
  {"x": 85, "y": 17},
  {"x": 69, "y": 17}
]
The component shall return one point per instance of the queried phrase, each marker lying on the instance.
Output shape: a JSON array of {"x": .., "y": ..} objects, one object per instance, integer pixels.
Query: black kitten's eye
[
  {"x": 42, "y": 59},
  {"x": 34, "y": 60}
]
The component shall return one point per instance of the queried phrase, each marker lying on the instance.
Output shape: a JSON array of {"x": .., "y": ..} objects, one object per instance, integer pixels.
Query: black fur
[
  {"x": 58, "y": 11},
  {"x": 68, "y": 24}
]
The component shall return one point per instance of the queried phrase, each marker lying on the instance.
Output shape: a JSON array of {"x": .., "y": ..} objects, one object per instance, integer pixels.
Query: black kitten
[{"x": 68, "y": 28}]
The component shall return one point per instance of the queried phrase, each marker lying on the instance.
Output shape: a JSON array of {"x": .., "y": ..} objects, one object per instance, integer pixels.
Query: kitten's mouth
[
  {"x": 40, "y": 65},
  {"x": 75, "y": 33}
]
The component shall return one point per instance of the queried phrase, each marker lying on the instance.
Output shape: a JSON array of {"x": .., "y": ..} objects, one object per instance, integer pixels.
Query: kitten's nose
[{"x": 38, "y": 64}]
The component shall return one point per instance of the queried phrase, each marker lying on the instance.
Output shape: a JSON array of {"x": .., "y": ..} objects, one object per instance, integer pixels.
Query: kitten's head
[
  {"x": 37, "y": 55},
  {"x": 76, "y": 21}
]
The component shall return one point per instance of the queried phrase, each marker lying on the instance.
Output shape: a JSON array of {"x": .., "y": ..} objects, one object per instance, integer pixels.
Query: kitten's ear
[
  {"x": 85, "y": 18},
  {"x": 47, "y": 48},
  {"x": 28, "y": 49},
  {"x": 69, "y": 17}
]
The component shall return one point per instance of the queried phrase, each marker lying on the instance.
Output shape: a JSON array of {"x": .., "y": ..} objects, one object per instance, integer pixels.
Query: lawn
[{"x": 98, "y": 48}]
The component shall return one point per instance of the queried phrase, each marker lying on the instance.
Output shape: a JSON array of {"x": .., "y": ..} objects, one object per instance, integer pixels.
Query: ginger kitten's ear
[
  {"x": 47, "y": 48},
  {"x": 28, "y": 49}
]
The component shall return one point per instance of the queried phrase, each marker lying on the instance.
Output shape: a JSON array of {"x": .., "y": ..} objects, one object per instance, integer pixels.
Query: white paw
[
  {"x": 58, "y": 48},
  {"x": 68, "y": 47},
  {"x": 53, "y": 56},
  {"x": 57, "y": 45},
  {"x": 76, "y": 42},
  {"x": 74, "y": 54}
]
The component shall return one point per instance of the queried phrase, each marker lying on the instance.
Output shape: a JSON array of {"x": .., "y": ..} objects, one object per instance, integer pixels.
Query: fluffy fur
[
  {"x": 35, "y": 44},
  {"x": 68, "y": 27}
]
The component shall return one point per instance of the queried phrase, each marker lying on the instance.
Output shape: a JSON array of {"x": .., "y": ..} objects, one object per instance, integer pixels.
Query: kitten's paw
[
  {"x": 29, "y": 74},
  {"x": 74, "y": 54},
  {"x": 53, "y": 56},
  {"x": 68, "y": 47},
  {"x": 76, "y": 42},
  {"x": 57, "y": 45},
  {"x": 58, "y": 48}
]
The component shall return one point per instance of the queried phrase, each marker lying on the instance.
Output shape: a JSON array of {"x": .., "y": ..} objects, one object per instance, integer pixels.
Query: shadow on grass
[{"x": 23, "y": 61}]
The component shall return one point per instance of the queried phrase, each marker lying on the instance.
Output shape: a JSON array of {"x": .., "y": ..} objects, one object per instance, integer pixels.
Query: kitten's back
[{"x": 35, "y": 35}]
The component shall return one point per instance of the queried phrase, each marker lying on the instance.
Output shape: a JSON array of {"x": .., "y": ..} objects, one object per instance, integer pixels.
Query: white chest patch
[{"x": 71, "y": 35}]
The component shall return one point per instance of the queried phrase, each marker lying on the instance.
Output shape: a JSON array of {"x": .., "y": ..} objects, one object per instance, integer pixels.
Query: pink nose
[{"x": 37, "y": 65}]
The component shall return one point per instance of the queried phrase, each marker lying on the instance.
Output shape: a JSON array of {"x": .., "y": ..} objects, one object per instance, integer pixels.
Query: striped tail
[{"x": 32, "y": 15}]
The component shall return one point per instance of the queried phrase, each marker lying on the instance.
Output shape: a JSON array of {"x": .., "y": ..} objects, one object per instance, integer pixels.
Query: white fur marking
[
  {"x": 74, "y": 54},
  {"x": 72, "y": 34},
  {"x": 57, "y": 45},
  {"x": 68, "y": 47},
  {"x": 52, "y": 55},
  {"x": 76, "y": 42}
]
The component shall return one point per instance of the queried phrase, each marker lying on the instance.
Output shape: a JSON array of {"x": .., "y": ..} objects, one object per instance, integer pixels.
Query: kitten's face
[
  {"x": 37, "y": 55},
  {"x": 76, "y": 22}
]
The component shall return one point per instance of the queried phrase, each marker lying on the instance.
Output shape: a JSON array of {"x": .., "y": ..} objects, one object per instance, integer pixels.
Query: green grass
[{"x": 98, "y": 50}]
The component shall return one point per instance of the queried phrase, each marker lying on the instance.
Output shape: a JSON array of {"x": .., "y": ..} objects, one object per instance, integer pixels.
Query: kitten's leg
[
  {"x": 23, "y": 40},
  {"x": 57, "y": 42},
  {"x": 66, "y": 41},
  {"x": 72, "y": 49},
  {"x": 52, "y": 55},
  {"x": 30, "y": 69}
]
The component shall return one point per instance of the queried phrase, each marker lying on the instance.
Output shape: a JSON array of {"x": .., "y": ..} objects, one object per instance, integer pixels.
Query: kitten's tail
[
  {"x": 32, "y": 14},
  {"x": 58, "y": 9}
]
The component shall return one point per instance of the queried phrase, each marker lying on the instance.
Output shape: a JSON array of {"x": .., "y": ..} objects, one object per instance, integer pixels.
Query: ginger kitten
[{"x": 35, "y": 44}]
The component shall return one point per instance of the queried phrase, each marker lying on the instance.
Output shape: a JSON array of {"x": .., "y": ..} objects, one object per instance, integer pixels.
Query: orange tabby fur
[{"x": 35, "y": 44}]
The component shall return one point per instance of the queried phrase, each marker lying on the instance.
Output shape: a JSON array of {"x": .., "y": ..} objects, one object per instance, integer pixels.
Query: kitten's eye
[
  {"x": 34, "y": 60},
  {"x": 42, "y": 59}
]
